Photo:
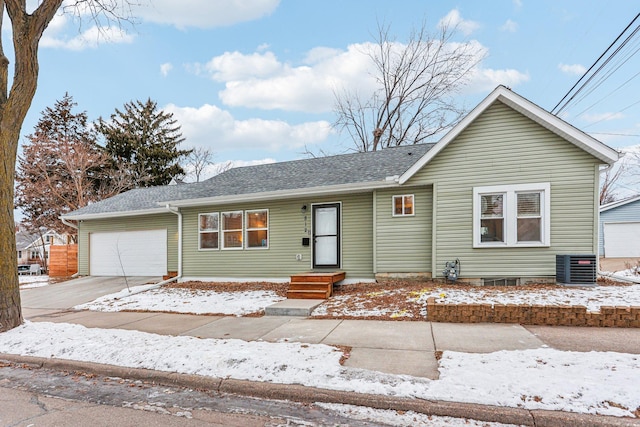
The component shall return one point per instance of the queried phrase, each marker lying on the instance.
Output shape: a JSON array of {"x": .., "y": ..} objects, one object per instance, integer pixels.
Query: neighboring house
[
  {"x": 620, "y": 229},
  {"x": 33, "y": 248},
  {"x": 503, "y": 192}
]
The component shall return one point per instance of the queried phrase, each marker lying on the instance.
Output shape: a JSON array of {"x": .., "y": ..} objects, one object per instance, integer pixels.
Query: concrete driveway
[{"x": 65, "y": 295}]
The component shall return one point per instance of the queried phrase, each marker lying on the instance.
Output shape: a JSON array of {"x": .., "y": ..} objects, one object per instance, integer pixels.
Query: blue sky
[{"x": 253, "y": 80}]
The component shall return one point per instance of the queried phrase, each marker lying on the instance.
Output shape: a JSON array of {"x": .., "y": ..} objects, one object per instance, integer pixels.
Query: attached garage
[
  {"x": 622, "y": 239},
  {"x": 128, "y": 253}
]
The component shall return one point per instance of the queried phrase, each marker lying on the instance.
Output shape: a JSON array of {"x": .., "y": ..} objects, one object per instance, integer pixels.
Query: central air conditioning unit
[{"x": 576, "y": 269}]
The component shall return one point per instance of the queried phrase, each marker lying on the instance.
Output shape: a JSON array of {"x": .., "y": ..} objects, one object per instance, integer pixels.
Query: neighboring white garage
[
  {"x": 128, "y": 253},
  {"x": 622, "y": 240}
]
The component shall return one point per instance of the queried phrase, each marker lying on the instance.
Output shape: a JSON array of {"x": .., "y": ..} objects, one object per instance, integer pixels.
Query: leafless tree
[
  {"x": 198, "y": 160},
  {"x": 416, "y": 83},
  {"x": 27, "y": 28},
  {"x": 608, "y": 181}
]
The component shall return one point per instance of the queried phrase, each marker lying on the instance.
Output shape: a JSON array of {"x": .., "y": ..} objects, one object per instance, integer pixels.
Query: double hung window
[{"x": 511, "y": 215}]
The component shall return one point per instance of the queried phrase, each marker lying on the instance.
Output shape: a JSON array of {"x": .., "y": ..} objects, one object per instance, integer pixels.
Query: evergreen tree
[
  {"x": 147, "y": 140},
  {"x": 62, "y": 168}
]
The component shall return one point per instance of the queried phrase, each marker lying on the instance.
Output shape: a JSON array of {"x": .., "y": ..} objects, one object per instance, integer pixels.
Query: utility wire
[{"x": 591, "y": 68}]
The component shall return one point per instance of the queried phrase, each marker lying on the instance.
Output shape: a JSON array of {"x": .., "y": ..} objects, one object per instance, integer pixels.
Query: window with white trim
[
  {"x": 257, "y": 224},
  {"x": 208, "y": 231},
  {"x": 232, "y": 230},
  {"x": 512, "y": 215},
  {"x": 403, "y": 205}
]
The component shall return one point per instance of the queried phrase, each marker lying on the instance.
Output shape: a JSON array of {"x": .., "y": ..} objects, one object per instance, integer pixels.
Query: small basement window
[{"x": 403, "y": 205}]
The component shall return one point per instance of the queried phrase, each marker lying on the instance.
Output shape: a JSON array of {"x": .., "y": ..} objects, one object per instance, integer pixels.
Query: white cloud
[
  {"x": 509, "y": 26},
  {"x": 166, "y": 68},
  {"x": 602, "y": 117},
  {"x": 237, "y": 66},
  {"x": 205, "y": 13},
  {"x": 453, "y": 19},
  {"x": 210, "y": 126},
  {"x": 517, "y": 3},
  {"x": 261, "y": 80},
  {"x": 573, "y": 69},
  {"x": 89, "y": 39}
]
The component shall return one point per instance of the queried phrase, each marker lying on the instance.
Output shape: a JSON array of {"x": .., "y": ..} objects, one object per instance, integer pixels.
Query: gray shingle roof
[{"x": 354, "y": 168}]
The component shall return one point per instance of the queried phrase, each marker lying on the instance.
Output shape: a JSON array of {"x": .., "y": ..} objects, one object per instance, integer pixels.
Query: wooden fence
[{"x": 63, "y": 260}]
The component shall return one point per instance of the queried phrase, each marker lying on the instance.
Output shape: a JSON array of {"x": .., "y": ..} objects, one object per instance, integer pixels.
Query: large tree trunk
[
  {"x": 14, "y": 104},
  {"x": 10, "y": 309}
]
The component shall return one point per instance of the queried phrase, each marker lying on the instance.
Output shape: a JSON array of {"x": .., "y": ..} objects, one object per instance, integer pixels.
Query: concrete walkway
[{"x": 375, "y": 345}]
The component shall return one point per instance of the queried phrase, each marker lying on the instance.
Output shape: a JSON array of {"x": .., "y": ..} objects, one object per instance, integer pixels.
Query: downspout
[
  {"x": 69, "y": 224},
  {"x": 177, "y": 212}
]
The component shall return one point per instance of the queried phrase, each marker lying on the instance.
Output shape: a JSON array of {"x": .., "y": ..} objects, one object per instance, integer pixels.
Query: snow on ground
[
  {"x": 184, "y": 301},
  {"x": 401, "y": 419},
  {"x": 591, "y": 297},
  {"x": 596, "y": 382},
  {"x": 36, "y": 281}
]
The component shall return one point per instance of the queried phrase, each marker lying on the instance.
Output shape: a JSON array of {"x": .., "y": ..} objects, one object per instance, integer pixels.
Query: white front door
[{"x": 326, "y": 235}]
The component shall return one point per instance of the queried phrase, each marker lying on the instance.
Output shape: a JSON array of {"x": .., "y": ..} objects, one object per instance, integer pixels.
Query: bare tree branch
[{"x": 416, "y": 83}]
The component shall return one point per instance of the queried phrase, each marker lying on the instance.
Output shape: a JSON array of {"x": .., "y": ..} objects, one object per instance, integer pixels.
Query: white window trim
[
  {"x": 393, "y": 205},
  {"x": 510, "y": 214},
  {"x": 241, "y": 229},
  {"x": 200, "y": 248},
  {"x": 247, "y": 230}
]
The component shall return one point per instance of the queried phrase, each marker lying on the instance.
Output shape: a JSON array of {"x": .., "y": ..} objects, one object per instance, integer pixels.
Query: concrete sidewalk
[{"x": 376, "y": 345}]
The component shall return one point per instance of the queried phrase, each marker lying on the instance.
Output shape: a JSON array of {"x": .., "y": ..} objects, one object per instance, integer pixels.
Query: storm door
[{"x": 326, "y": 236}]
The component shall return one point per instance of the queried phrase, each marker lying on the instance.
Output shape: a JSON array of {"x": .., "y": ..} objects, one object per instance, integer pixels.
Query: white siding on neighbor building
[
  {"x": 626, "y": 213},
  {"x": 622, "y": 239}
]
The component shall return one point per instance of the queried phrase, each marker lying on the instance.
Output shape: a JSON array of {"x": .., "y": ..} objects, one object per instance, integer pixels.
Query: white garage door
[
  {"x": 622, "y": 240},
  {"x": 128, "y": 253}
]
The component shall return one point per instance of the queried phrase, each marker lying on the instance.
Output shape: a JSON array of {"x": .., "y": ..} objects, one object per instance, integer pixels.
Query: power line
[{"x": 594, "y": 65}]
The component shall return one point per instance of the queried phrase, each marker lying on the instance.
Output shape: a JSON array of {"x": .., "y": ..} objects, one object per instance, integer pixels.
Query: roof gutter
[
  {"x": 67, "y": 223},
  {"x": 176, "y": 211}
]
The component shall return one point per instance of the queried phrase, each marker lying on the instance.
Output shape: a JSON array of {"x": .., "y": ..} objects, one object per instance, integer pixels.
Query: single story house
[
  {"x": 620, "y": 229},
  {"x": 505, "y": 191}
]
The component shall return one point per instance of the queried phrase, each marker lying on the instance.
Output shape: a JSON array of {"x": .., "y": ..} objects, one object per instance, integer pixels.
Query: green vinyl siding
[
  {"x": 403, "y": 243},
  {"x": 286, "y": 231},
  {"x": 166, "y": 221},
  {"x": 503, "y": 147}
]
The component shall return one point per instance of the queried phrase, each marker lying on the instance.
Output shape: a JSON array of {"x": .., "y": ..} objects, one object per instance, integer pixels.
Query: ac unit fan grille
[{"x": 576, "y": 269}]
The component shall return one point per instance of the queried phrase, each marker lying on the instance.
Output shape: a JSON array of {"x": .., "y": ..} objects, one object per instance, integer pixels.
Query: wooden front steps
[{"x": 313, "y": 285}]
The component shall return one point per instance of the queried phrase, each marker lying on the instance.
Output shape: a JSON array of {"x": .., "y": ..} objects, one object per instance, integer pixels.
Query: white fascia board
[
  {"x": 105, "y": 215},
  {"x": 619, "y": 203},
  {"x": 284, "y": 194},
  {"x": 591, "y": 145}
]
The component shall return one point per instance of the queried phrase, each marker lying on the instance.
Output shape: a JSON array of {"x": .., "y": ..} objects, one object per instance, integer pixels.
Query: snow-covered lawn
[
  {"x": 595, "y": 382},
  {"x": 360, "y": 301},
  {"x": 196, "y": 301},
  {"x": 411, "y": 301},
  {"x": 36, "y": 281}
]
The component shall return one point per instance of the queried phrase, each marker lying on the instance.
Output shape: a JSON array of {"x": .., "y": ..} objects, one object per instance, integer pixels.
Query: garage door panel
[
  {"x": 128, "y": 253},
  {"x": 622, "y": 240}
]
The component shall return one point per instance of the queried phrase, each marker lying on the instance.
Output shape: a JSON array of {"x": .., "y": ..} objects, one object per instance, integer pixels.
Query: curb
[{"x": 304, "y": 394}]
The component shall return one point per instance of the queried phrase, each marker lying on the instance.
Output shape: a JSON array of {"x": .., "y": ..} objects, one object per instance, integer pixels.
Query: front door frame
[{"x": 338, "y": 206}]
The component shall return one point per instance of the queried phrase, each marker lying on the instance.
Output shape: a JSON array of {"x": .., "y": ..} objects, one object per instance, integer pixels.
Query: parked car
[{"x": 31, "y": 269}]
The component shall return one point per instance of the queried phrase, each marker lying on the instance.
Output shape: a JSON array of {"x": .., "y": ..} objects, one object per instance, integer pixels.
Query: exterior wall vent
[
  {"x": 576, "y": 269},
  {"x": 502, "y": 281}
]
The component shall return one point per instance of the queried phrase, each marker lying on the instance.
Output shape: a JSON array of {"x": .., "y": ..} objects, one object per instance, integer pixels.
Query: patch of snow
[
  {"x": 401, "y": 419},
  {"x": 35, "y": 281},
  {"x": 596, "y": 382},
  {"x": 178, "y": 300}
]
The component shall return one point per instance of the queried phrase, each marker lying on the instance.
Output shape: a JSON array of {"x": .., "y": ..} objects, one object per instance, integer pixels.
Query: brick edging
[{"x": 563, "y": 315}]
